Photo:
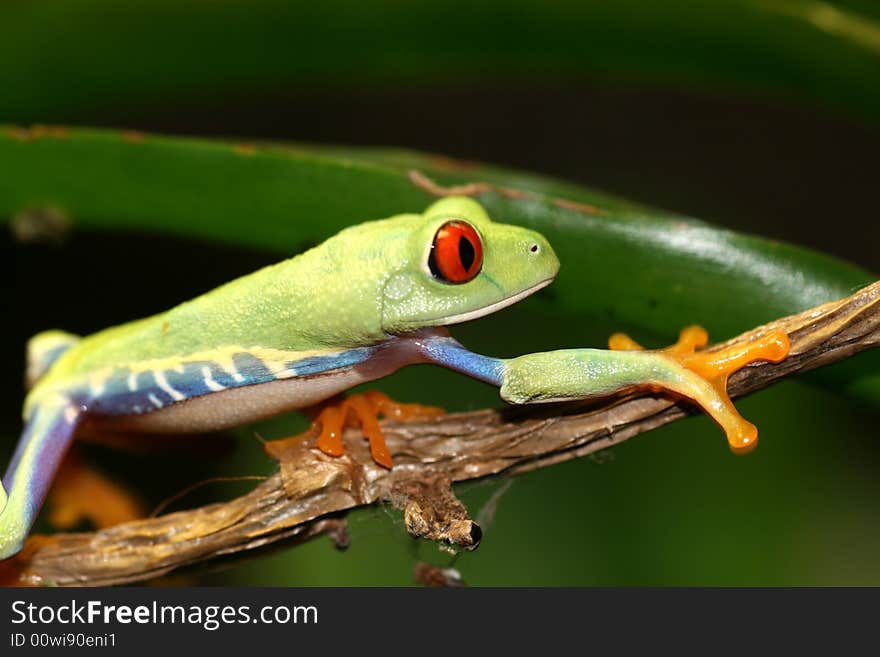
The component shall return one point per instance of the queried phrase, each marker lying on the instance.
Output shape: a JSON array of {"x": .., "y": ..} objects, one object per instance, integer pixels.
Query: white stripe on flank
[
  {"x": 162, "y": 382},
  {"x": 155, "y": 400},
  {"x": 236, "y": 375},
  {"x": 209, "y": 380},
  {"x": 286, "y": 373},
  {"x": 133, "y": 381}
]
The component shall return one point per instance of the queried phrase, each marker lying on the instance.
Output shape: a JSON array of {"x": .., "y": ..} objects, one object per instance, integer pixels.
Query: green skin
[{"x": 358, "y": 307}]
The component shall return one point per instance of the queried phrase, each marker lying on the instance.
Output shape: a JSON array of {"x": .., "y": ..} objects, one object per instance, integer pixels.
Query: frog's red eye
[{"x": 457, "y": 253}]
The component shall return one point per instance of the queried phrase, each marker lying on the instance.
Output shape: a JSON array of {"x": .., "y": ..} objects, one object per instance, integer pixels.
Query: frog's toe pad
[
  {"x": 690, "y": 339},
  {"x": 742, "y": 435},
  {"x": 622, "y": 342}
]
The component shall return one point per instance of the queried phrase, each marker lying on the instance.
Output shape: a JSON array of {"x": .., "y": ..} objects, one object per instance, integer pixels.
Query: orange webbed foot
[
  {"x": 714, "y": 367},
  {"x": 364, "y": 410}
]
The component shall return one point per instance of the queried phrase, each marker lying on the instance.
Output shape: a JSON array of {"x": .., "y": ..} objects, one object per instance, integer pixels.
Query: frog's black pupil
[
  {"x": 432, "y": 265},
  {"x": 466, "y": 253}
]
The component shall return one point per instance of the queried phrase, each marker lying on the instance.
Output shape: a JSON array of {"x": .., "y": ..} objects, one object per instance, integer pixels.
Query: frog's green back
[
  {"x": 357, "y": 288},
  {"x": 317, "y": 300}
]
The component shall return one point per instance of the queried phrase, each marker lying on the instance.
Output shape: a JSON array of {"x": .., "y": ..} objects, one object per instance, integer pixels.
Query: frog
[{"x": 376, "y": 297}]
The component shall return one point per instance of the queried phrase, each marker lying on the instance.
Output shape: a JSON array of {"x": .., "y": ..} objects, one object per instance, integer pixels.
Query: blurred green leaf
[
  {"x": 624, "y": 265},
  {"x": 59, "y": 60}
]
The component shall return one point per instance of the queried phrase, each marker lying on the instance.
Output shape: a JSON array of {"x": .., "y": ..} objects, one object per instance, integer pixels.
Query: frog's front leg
[
  {"x": 679, "y": 369},
  {"x": 48, "y": 432}
]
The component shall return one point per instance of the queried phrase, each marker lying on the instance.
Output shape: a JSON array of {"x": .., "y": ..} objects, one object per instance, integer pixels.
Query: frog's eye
[{"x": 457, "y": 253}]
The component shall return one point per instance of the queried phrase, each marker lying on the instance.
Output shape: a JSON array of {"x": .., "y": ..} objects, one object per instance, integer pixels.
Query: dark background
[{"x": 761, "y": 165}]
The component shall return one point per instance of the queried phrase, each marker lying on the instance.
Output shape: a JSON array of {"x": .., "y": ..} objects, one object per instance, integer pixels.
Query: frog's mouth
[{"x": 498, "y": 305}]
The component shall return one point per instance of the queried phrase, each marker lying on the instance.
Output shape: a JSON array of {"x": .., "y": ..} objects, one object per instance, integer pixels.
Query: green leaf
[
  {"x": 624, "y": 265},
  {"x": 60, "y": 60}
]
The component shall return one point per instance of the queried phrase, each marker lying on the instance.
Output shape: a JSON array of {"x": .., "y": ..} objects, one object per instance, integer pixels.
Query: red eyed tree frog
[{"x": 371, "y": 299}]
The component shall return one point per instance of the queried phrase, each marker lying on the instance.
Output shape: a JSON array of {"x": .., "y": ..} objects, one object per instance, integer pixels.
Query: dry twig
[{"x": 311, "y": 491}]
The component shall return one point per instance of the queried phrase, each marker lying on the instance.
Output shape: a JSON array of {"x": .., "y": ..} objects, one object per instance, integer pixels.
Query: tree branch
[{"x": 311, "y": 491}]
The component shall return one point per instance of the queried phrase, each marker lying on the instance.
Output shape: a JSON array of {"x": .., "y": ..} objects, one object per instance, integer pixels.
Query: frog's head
[{"x": 460, "y": 265}]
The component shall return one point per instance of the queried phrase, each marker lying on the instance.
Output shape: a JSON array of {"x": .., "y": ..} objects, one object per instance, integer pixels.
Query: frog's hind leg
[
  {"x": 47, "y": 435},
  {"x": 82, "y": 493},
  {"x": 705, "y": 375},
  {"x": 77, "y": 493},
  {"x": 43, "y": 350}
]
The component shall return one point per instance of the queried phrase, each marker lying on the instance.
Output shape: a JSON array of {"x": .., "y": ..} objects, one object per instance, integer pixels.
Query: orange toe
[
  {"x": 721, "y": 363},
  {"x": 366, "y": 413},
  {"x": 395, "y": 410},
  {"x": 622, "y": 342},
  {"x": 331, "y": 420},
  {"x": 364, "y": 410},
  {"x": 715, "y": 367},
  {"x": 742, "y": 436},
  {"x": 689, "y": 339}
]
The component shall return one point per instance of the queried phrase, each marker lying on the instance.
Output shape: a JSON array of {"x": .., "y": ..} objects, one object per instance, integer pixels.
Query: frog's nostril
[{"x": 534, "y": 248}]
